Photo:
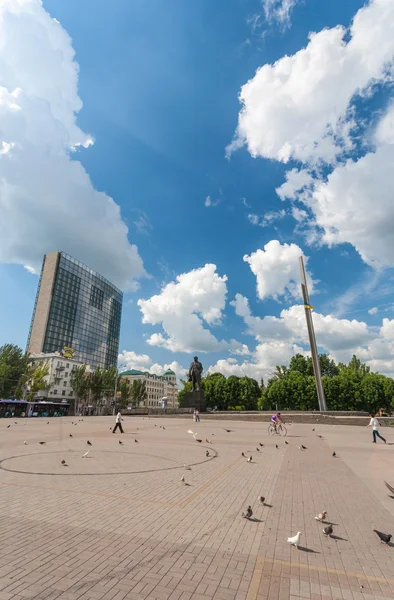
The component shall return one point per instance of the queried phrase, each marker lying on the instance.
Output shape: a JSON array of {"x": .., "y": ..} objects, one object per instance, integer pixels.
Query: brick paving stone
[{"x": 120, "y": 525}]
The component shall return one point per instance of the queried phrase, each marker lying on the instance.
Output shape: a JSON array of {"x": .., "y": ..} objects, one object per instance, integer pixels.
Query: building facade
[
  {"x": 161, "y": 389},
  {"x": 76, "y": 307},
  {"x": 59, "y": 375}
]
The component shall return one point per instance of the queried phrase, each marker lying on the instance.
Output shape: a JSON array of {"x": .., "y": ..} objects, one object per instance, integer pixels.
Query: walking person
[
  {"x": 118, "y": 423},
  {"x": 374, "y": 423}
]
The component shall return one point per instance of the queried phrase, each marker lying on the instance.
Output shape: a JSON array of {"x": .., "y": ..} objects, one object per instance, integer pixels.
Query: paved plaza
[{"x": 119, "y": 523}]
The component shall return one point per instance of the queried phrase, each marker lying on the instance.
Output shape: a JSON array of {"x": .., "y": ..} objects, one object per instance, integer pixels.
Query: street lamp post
[{"x": 312, "y": 339}]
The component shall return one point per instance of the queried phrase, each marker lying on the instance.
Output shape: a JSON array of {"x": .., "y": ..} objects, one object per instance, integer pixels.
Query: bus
[{"x": 36, "y": 408}]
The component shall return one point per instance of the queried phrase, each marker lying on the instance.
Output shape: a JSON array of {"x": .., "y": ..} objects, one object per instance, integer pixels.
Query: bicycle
[{"x": 280, "y": 429}]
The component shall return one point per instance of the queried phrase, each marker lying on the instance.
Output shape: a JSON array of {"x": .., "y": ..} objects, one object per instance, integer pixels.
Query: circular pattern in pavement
[{"x": 98, "y": 462}]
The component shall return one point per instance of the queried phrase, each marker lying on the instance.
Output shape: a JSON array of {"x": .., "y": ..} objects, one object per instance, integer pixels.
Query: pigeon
[
  {"x": 89, "y": 443},
  {"x": 286, "y": 442},
  {"x": 295, "y": 541},
  {"x": 120, "y": 443},
  {"x": 328, "y": 531},
  {"x": 136, "y": 441},
  {"x": 334, "y": 454},
  {"x": 320, "y": 436},
  {"x": 313, "y": 429},
  {"x": 262, "y": 500},
  {"x": 228, "y": 430},
  {"x": 388, "y": 486},
  {"x": 16, "y": 423},
  {"x": 183, "y": 479},
  {"x": 187, "y": 467},
  {"x": 42, "y": 443},
  {"x": 261, "y": 445},
  {"x": 47, "y": 422},
  {"x": 199, "y": 441},
  {"x": 248, "y": 514},
  {"x": 384, "y": 537},
  {"x": 206, "y": 452},
  {"x": 257, "y": 449},
  {"x": 64, "y": 464},
  {"x": 321, "y": 516},
  {"x": 72, "y": 422},
  {"x": 302, "y": 447},
  {"x": 85, "y": 455},
  {"x": 243, "y": 453},
  {"x": 249, "y": 459},
  {"x": 276, "y": 446},
  {"x": 70, "y": 434},
  {"x": 25, "y": 443},
  {"x": 8, "y": 426}
]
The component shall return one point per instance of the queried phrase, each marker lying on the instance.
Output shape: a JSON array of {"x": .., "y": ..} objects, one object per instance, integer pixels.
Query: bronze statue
[{"x": 195, "y": 371}]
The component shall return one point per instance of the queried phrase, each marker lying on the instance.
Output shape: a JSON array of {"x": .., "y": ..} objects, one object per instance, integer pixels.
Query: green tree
[
  {"x": 232, "y": 392},
  {"x": 97, "y": 385},
  {"x": 125, "y": 392},
  {"x": 187, "y": 387},
  {"x": 34, "y": 380},
  {"x": 328, "y": 368},
  {"x": 302, "y": 364},
  {"x": 214, "y": 389},
  {"x": 13, "y": 363},
  {"x": 138, "y": 392},
  {"x": 80, "y": 382},
  {"x": 249, "y": 393}
]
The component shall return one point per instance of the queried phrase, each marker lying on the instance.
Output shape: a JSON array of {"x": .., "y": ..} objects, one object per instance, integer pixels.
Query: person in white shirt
[
  {"x": 374, "y": 423},
  {"x": 118, "y": 423}
]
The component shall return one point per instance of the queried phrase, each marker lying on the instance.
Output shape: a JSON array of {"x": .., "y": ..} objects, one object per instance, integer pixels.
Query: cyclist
[{"x": 276, "y": 420}]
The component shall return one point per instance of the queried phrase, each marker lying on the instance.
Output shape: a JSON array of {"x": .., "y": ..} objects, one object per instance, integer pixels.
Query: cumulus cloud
[
  {"x": 143, "y": 362},
  {"x": 279, "y": 338},
  {"x": 277, "y": 270},
  {"x": 299, "y": 107},
  {"x": 132, "y": 360},
  {"x": 47, "y": 200},
  {"x": 263, "y": 362},
  {"x": 182, "y": 307}
]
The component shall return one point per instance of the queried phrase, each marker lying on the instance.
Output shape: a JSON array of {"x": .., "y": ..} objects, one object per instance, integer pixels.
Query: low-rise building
[
  {"x": 161, "y": 390},
  {"x": 59, "y": 375}
]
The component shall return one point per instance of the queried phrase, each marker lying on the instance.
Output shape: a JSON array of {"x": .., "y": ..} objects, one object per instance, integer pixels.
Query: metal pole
[{"x": 312, "y": 339}]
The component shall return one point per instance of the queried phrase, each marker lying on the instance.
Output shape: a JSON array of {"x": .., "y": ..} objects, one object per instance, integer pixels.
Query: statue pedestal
[{"x": 194, "y": 400}]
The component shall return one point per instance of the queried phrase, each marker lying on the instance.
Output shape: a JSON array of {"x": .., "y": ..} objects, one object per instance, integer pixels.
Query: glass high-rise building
[{"x": 77, "y": 308}]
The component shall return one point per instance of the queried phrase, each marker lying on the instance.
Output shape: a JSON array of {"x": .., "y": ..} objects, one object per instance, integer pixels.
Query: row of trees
[
  {"x": 101, "y": 383},
  {"x": 349, "y": 386},
  {"x": 21, "y": 377},
  {"x": 233, "y": 393}
]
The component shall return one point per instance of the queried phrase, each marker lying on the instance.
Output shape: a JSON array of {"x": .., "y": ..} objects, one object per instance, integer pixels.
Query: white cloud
[
  {"x": 299, "y": 107},
  {"x": 355, "y": 205},
  {"x": 277, "y": 270},
  {"x": 183, "y": 306},
  {"x": 209, "y": 203},
  {"x": 373, "y": 311},
  {"x": 47, "y": 200},
  {"x": 268, "y": 218},
  {"x": 30, "y": 269},
  {"x": 279, "y": 338},
  {"x": 262, "y": 365},
  {"x": 253, "y": 219},
  {"x": 134, "y": 361},
  {"x": 279, "y": 11},
  {"x": 143, "y": 362}
]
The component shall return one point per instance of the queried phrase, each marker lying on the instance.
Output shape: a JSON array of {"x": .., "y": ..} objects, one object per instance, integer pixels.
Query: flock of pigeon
[
  {"x": 321, "y": 517},
  {"x": 385, "y": 538}
]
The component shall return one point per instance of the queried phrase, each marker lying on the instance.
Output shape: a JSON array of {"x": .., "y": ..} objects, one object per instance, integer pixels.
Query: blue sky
[{"x": 160, "y": 84}]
